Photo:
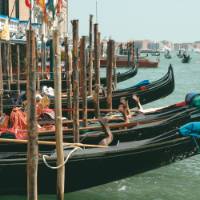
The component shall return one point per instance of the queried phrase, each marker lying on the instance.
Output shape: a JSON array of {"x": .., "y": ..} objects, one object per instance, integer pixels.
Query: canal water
[{"x": 177, "y": 181}]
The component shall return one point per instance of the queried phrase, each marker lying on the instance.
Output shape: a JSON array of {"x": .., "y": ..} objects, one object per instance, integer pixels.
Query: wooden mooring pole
[
  {"x": 90, "y": 64},
  {"x": 32, "y": 166},
  {"x": 84, "y": 78},
  {"x": 1, "y": 84},
  {"x": 115, "y": 73},
  {"x": 7, "y": 57},
  {"x": 110, "y": 64},
  {"x": 68, "y": 77},
  {"x": 97, "y": 69},
  {"x": 58, "y": 118},
  {"x": 18, "y": 69},
  {"x": 10, "y": 63},
  {"x": 43, "y": 56},
  {"x": 75, "y": 24}
]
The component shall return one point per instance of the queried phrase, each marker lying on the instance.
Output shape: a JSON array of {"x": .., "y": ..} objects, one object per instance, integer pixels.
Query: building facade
[{"x": 14, "y": 9}]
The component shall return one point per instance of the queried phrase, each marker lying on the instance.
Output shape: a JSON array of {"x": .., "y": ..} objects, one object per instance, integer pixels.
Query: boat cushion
[{"x": 190, "y": 129}]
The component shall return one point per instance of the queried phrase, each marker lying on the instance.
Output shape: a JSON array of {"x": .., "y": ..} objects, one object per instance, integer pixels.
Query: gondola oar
[{"x": 50, "y": 143}]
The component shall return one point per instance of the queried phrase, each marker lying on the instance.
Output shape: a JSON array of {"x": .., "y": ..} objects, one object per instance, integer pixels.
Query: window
[
  {"x": 4, "y": 7},
  {"x": 17, "y": 8}
]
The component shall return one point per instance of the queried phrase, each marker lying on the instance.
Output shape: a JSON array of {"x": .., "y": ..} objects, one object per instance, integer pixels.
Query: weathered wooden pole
[
  {"x": 110, "y": 64},
  {"x": 7, "y": 65},
  {"x": 58, "y": 118},
  {"x": 32, "y": 166},
  {"x": 18, "y": 69},
  {"x": 10, "y": 63},
  {"x": 97, "y": 69},
  {"x": 75, "y": 81},
  {"x": 83, "y": 69},
  {"x": 43, "y": 56},
  {"x": 68, "y": 77},
  {"x": 115, "y": 73},
  {"x": 90, "y": 64},
  {"x": 38, "y": 75},
  {"x": 1, "y": 84}
]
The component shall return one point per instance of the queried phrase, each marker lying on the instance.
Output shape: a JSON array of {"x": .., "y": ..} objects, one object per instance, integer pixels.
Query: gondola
[
  {"x": 148, "y": 93},
  {"x": 90, "y": 167},
  {"x": 186, "y": 59},
  {"x": 140, "y": 126},
  {"x": 168, "y": 56},
  {"x": 50, "y": 83},
  {"x": 179, "y": 54},
  {"x": 122, "y": 76}
]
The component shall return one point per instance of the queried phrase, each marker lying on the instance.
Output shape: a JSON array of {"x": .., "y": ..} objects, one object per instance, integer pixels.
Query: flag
[
  {"x": 50, "y": 7},
  {"x": 59, "y": 6},
  {"x": 41, "y": 3},
  {"x": 28, "y": 3}
]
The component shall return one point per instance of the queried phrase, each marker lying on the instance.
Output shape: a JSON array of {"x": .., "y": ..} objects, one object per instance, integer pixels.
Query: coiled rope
[{"x": 65, "y": 162}]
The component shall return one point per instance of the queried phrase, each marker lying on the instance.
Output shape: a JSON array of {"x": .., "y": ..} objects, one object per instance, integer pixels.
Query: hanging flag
[
  {"x": 28, "y": 3},
  {"x": 42, "y": 4},
  {"x": 50, "y": 7},
  {"x": 59, "y": 6}
]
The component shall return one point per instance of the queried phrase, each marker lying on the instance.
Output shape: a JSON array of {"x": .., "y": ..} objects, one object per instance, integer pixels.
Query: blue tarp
[
  {"x": 142, "y": 83},
  {"x": 190, "y": 129}
]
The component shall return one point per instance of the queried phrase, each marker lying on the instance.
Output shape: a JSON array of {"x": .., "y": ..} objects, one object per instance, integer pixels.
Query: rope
[
  {"x": 65, "y": 162},
  {"x": 196, "y": 143}
]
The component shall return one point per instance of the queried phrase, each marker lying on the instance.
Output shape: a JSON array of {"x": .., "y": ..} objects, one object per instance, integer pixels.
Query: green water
[{"x": 177, "y": 181}]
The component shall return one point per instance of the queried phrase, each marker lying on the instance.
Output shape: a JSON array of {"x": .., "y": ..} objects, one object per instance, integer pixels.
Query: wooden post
[
  {"x": 133, "y": 52},
  {"x": 18, "y": 69},
  {"x": 37, "y": 69},
  {"x": 90, "y": 64},
  {"x": 7, "y": 65},
  {"x": 51, "y": 59},
  {"x": 84, "y": 78},
  {"x": 110, "y": 63},
  {"x": 68, "y": 77},
  {"x": 115, "y": 73},
  {"x": 32, "y": 166},
  {"x": 43, "y": 56},
  {"x": 75, "y": 82},
  {"x": 1, "y": 84},
  {"x": 10, "y": 63},
  {"x": 97, "y": 69},
  {"x": 58, "y": 119}
]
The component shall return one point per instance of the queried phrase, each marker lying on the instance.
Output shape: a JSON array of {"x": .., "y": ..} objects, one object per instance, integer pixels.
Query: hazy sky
[{"x": 175, "y": 20}]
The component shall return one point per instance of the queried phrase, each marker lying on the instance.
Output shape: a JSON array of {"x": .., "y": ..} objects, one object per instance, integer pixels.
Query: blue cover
[
  {"x": 189, "y": 97},
  {"x": 143, "y": 83},
  {"x": 190, "y": 129}
]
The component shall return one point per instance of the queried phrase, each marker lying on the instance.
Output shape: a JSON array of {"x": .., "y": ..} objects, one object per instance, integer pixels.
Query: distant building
[{"x": 17, "y": 8}]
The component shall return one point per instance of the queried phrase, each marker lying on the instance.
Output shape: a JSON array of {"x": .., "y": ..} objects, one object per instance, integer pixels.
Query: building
[
  {"x": 14, "y": 9},
  {"x": 18, "y": 9}
]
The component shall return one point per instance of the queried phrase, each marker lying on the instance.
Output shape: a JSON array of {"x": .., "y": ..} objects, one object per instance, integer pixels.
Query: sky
[{"x": 123, "y": 20}]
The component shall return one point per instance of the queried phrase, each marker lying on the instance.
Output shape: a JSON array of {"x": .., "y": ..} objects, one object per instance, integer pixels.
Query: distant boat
[
  {"x": 146, "y": 63},
  {"x": 186, "y": 59},
  {"x": 179, "y": 55},
  {"x": 197, "y": 50},
  {"x": 168, "y": 55}
]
